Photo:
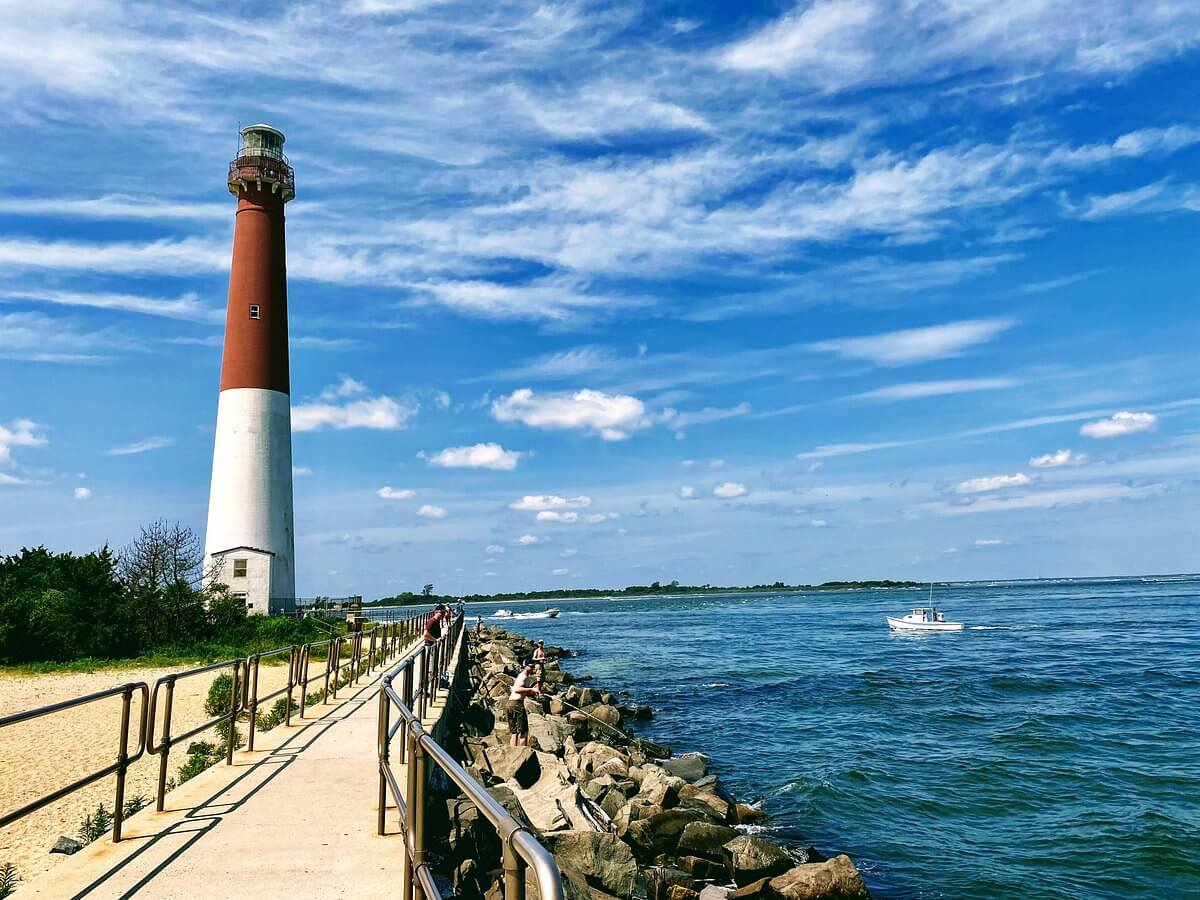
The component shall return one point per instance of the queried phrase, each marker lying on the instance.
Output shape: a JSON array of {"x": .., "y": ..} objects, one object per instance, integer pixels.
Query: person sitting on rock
[{"x": 514, "y": 710}]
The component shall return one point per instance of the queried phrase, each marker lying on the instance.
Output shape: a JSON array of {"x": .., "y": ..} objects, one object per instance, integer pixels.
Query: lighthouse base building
[{"x": 250, "y": 541}]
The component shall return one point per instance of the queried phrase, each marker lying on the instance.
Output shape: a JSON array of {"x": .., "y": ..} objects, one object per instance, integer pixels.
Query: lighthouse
[{"x": 250, "y": 541}]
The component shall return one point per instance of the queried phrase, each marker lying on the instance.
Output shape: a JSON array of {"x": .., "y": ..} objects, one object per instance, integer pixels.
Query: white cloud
[
  {"x": 560, "y": 571},
  {"x": 442, "y": 399},
  {"x": 336, "y": 407},
  {"x": 716, "y": 463},
  {"x": 33, "y": 337},
  {"x": 611, "y": 416},
  {"x": 1060, "y": 497},
  {"x": 1058, "y": 458},
  {"x": 836, "y": 45},
  {"x": 988, "y": 542},
  {"x": 1120, "y": 424},
  {"x": 917, "y": 389},
  {"x": 189, "y": 306},
  {"x": 526, "y": 540},
  {"x": 730, "y": 489},
  {"x": 819, "y": 523},
  {"x": 549, "y": 515},
  {"x": 992, "y": 483},
  {"x": 154, "y": 443},
  {"x": 539, "y": 502},
  {"x": 687, "y": 492},
  {"x": 494, "y": 549},
  {"x": 21, "y": 433},
  {"x": 387, "y": 492},
  {"x": 675, "y": 419},
  {"x": 429, "y": 511},
  {"x": 916, "y": 345},
  {"x": 568, "y": 553},
  {"x": 301, "y": 471},
  {"x": 82, "y": 493},
  {"x": 596, "y": 518},
  {"x": 476, "y": 456}
]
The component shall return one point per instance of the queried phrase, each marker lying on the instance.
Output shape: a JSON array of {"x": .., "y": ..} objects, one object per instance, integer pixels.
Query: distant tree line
[
  {"x": 655, "y": 588},
  {"x": 104, "y": 605}
]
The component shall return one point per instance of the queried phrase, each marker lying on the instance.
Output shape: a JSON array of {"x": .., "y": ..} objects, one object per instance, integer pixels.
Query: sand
[{"x": 39, "y": 756}]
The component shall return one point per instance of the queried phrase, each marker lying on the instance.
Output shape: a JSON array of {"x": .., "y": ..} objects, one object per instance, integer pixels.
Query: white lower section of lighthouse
[{"x": 250, "y": 541}]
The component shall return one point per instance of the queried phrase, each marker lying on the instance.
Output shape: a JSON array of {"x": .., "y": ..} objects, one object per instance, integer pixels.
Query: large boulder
[
  {"x": 834, "y": 879},
  {"x": 755, "y": 890},
  {"x": 659, "y": 833},
  {"x": 690, "y": 766},
  {"x": 705, "y": 839},
  {"x": 714, "y": 892},
  {"x": 745, "y": 814},
  {"x": 660, "y": 787},
  {"x": 693, "y": 797},
  {"x": 604, "y": 859},
  {"x": 752, "y": 858},
  {"x": 550, "y": 732},
  {"x": 609, "y": 715},
  {"x": 660, "y": 880},
  {"x": 597, "y": 759},
  {"x": 635, "y": 809},
  {"x": 703, "y": 869},
  {"x": 519, "y": 764}
]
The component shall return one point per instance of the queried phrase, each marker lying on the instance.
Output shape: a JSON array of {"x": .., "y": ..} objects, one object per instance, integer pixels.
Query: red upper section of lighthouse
[{"x": 256, "y": 325}]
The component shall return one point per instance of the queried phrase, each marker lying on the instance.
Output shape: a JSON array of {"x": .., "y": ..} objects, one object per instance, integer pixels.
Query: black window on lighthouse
[{"x": 255, "y": 312}]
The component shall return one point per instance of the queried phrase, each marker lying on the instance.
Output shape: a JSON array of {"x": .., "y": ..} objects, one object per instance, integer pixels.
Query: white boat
[
  {"x": 924, "y": 619},
  {"x": 552, "y": 612},
  {"x": 502, "y": 614}
]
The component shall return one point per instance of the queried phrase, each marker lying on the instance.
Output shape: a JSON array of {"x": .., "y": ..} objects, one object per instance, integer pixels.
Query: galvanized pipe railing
[
  {"x": 124, "y": 757},
  {"x": 384, "y": 640},
  {"x": 411, "y": 700}
]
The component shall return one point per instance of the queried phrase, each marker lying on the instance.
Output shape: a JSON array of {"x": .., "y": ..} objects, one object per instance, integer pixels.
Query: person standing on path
[
  {"x": 514, "y": 710},
  {"x": 433, "y": 625}
]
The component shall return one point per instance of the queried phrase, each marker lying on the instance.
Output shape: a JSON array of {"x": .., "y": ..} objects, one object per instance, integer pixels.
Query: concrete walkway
[{"x": 294, "y": 819}]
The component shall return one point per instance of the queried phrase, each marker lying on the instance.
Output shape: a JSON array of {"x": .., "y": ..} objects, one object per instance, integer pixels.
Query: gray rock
[
  {"x": 695, "y": 798},
  {"x": 66, "y": 845},
  {"x": 706, "y": 840},
  {"x": 659, "y": 833},
  {"x": 603, "y": 859},
  {"x": 834, "y": 879},
  {"x": 751, "y": 858},
  {"x": 690, "y": 767},
  {"x": 714, "y": 892},
  {"x": 517, "y": 763},
  {"x": 660, "y": 880},
  {"x": 703, "y": 869},
  {"x": 748, "y": 815}
]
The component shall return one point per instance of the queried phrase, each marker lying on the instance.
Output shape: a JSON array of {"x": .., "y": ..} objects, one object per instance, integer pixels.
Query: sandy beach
[{"x": 39, "y": 756}]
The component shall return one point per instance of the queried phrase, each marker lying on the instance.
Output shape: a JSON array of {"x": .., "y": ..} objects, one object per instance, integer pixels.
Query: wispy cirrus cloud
[
  {"x": 143, "y": 446},
  {"x": 916, "y": 345},
  {"x": 917, "y": 389}
]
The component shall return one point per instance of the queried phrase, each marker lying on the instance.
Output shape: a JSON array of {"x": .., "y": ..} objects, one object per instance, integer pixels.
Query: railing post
[
  {"x": 416, "y": 810},
  {"x": 166, "y": 742},
  {"x": 122, "y": 763},
  {"x": 302, "y": 676},
  {"x": 406, "y": 683},
  {"x": 253, "y": 698},
  {"x": 233, "y": 714},
  {"x": 385, "y": 707},
  {"x": 293, "y": 666},
  {"x": 331, "y": 666},
  {"x": 514, "y": 872}
]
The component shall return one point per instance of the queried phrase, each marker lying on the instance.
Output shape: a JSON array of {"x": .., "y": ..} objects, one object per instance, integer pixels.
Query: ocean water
[{"x": 1051, "y": 750}]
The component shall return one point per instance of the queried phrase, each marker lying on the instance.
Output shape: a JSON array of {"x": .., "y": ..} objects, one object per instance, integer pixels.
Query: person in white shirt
[{"x": 514, "y": 710}]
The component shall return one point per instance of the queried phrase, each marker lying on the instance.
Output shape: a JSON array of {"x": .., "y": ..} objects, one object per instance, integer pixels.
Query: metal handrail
[
  {"x": 519, "y": 847},
  {"x": 120, "y": 767}
]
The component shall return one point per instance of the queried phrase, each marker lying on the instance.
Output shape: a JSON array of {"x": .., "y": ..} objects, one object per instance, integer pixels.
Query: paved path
[{"x": 294, "y": 819}]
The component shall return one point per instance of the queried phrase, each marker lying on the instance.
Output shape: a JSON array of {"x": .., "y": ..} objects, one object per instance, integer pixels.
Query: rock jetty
[{"x": 623, "y": 816}]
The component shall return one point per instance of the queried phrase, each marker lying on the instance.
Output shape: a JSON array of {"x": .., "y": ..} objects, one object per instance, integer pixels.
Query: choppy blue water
[{"x": 1051, "y": 750}]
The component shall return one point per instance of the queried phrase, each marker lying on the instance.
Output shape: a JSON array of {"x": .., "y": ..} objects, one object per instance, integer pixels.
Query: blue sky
[{"x": 593, "y": 294}]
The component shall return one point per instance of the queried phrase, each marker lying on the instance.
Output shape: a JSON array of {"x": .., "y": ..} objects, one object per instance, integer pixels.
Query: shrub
[
  {"x": 8, "y": 880},
  {"x": 95, "y": 824}
]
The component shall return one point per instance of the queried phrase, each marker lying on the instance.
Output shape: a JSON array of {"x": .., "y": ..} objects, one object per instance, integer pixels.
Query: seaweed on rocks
[{"x": 623, "y": 815}]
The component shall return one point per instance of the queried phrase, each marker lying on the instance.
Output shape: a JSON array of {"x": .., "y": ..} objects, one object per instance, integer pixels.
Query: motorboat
[
  {"x": 552, "y": 612},
  {"x": 502, "y": 614},
  {"x": 922, "y": 619}
]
